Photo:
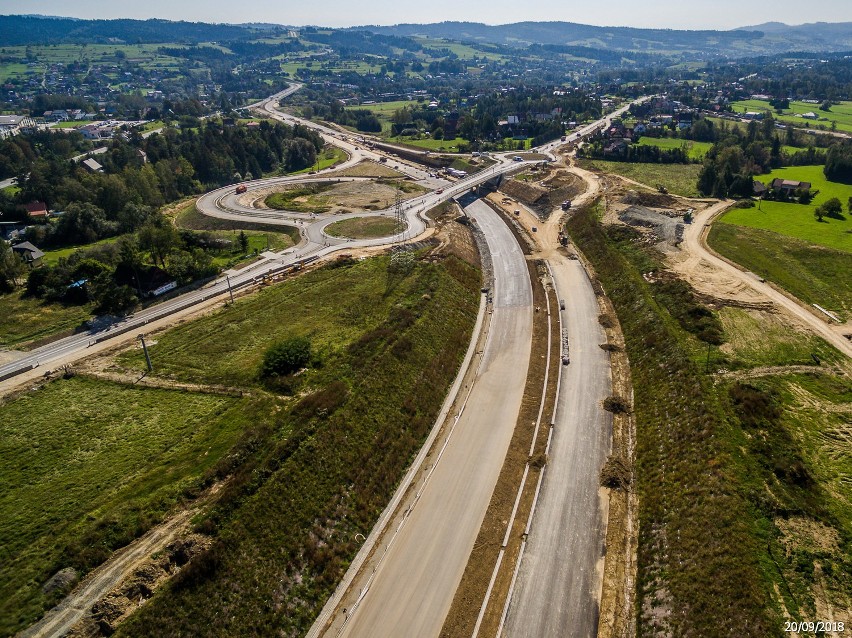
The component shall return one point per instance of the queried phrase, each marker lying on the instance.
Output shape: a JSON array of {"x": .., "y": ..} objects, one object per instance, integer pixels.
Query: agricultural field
[
  {"x": 463, "y": 51},
  {"x": 814, "y": 274},
  {"x": 89, "y": 465},
  {"x": 840, "y": 114},
  {"x": 797, "y": 220},
  {"x": 696, "y": 150},
  {"x": 680, "y": 179},
  {"x": 385, "y": 347}
]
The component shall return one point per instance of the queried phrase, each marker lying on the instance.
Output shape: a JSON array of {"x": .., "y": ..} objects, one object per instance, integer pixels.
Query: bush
[
  {"x": 616, "y": 405},
  {"x": 286, "y": 357}
]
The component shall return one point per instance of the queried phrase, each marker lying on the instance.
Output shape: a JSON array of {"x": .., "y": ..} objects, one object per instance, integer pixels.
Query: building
[
  {"x": 13, "y": 124},
  {"x": 29, "y": 253},
  {"x": 92, "y": 166},
  {"x": 788, "y": 186},
  {"x": 36, "y": 210}
]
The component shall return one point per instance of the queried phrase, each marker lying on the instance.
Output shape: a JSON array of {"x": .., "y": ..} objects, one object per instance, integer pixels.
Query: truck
[{"x": 242, "y": 188}]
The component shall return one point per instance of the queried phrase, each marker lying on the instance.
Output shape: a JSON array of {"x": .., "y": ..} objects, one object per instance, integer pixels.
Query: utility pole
[
  {"x": 145, "y": 350},
  {"x": 230, "y": 292}
]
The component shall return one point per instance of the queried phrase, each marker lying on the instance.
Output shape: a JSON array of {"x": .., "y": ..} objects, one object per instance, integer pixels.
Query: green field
[
  {"x": 680, "y": 179},
  {"x": 696, "y": 150},
  {"x": 89, "y": 465},
  {"x": 797, "y": 220},
  {"x": 450, "y": 146},
  {"x": 304, "y": 199},
  {"x": 330, "y": 156},
  {"x": 812, "y": 273},
  {"x": 387, "y": 345},
  {"x": 25, "y": 319},
  {"x": 839, "y": 113},
  {"x": 187, "y": 216},
  {"x": 363, "y": 227}
]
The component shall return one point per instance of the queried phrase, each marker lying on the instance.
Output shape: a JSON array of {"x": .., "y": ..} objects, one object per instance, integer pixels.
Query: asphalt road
[
  {"x": 558, "y": 585},
  {"x": 415, "y": 584}
]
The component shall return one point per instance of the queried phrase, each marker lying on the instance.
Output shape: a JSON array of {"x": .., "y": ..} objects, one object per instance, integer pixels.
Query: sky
[{"x": 671, "y": 14}]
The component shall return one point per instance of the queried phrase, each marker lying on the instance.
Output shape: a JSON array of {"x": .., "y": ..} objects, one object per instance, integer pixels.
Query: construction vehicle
[{"x": 566, "y": 204}]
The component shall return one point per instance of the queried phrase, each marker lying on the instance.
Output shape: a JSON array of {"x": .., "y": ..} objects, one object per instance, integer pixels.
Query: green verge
[
  {"x": 282, "y": 236},
  {"x": 302, "y": 199},
  {"x": 680, "y": 179},
  {"x": 387, "y": 346},
  {"x": 699, "y": 544},
  {"x": 90, "y": 465},
  {"x": 26, "y": 319},
  {"x": 814, "y": 274},
  {"x": 363, "y": 227}
]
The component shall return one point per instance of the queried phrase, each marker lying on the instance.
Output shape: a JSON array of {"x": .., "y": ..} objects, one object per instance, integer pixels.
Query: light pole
[{"x": 230, "y": 292}]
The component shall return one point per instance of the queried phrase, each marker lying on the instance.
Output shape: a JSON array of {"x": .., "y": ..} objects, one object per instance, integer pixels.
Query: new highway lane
[
  {"x": 558, "y": 585},
  {"x": 414, "y": 586}
]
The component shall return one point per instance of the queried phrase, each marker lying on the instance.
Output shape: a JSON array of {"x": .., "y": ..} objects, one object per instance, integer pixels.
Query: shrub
[
  {"x": 286, "y": 357},
  {"x": 616, "y": 405}
]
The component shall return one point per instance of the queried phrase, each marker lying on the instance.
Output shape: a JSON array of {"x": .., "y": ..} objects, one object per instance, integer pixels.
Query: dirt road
[{"x": 59, "y": 620}]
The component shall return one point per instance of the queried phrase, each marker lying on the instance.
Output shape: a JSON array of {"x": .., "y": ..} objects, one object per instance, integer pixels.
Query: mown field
[
  {"x": 841, "y": 113},
  {"x": 814, "y": 274},
  {"x": 744, "y": 517},
  {"x": 386, "y": 347},
  {"x": 680, "y": 179},
  {"x": 696, "y": 150},
  {"x": 797, "y": 220},
  {"x": 89, "y": 465}
]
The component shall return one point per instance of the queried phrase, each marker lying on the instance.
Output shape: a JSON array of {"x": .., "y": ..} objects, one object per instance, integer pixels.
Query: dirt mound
[
  {"x": 529, "y": 194},
  {"x": 647, "y": 198},
  {"x": 663, "y": 228}
]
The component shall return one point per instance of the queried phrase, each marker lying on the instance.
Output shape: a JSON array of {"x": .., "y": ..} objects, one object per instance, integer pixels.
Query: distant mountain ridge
[
  {"x": 767, "y": 38},
  {"x": 774, "y": 38}
]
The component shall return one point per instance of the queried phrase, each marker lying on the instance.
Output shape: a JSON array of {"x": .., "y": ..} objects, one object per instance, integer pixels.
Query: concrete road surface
[
  {"x": 415, "y": 584},
  {"x": 558, "y": 588}
]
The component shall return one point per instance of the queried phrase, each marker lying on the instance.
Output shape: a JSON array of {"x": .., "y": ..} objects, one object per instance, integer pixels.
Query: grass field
[
  {"x": 387, "y": 344},
  {"x": 363, "y": 227},
  {"x": 305, "y": 199},
  {"x": 187, "y": 216},
  {"x": 87, "y": 466},
  {"x": 24, "y": 319},
  {"x": 839, "y": 113},
  {"x": 797, "y": 220},
  {"x": 330, "y": 156},
  {"x": 680, "y": 179},
  {"x": 428, "y": 143},
  {"x": 814, "y": 274},
  {"x": 696, "y": 150},
  {"x": 761, "y": 339}
]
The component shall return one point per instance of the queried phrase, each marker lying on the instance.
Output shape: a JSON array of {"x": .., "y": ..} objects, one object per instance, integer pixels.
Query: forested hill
[
  {"x": 776, "y": 38},
  {"x": 23, "y": 30}
]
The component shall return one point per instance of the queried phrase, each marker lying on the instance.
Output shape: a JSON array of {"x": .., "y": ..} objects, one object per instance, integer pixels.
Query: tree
[
  {"x": 819, "y": 213},
  {"x": 833, "y": 208},
  {"x": 849, "y": 205},
  {"x": 286, "y": 357},
  {"x": 12, "y": 267},
  {"x": 243, "y": 239},
  {"x": 825, "y": 106}
]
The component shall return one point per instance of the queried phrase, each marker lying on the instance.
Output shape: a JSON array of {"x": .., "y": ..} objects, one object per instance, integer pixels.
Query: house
[
  {"x": 759, "y": 188},
  {"x": 788, "y": 186},
  {"x": 29, "y": 253},
  {"x": 11, "y": 230},
  {"x": 36, "y": 210},
  {"x": 142, "y": 156},
  {"x": 810, "y": 115},
  {"x": 92, "y": 166}
]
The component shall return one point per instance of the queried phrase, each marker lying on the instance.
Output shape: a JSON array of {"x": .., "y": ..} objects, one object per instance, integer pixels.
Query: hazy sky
[{"x": 674, "y": 14}]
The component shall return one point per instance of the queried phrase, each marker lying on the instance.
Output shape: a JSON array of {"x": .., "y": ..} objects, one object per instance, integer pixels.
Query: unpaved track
[
  {"x": 695, "y": 243},
  {"x": 59, "y": 620},
  {"x": 414, "y": 586}
]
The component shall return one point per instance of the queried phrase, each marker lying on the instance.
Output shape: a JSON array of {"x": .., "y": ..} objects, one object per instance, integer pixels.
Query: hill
[{"x": 777, "y": 38}]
